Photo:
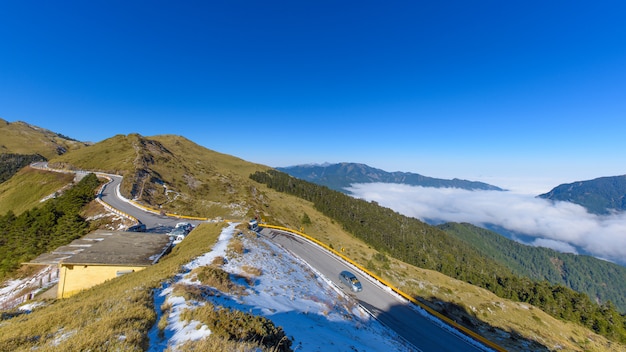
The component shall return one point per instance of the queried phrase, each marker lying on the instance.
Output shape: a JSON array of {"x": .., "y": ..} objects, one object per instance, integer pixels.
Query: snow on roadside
[{"x": 316, "y": 315}]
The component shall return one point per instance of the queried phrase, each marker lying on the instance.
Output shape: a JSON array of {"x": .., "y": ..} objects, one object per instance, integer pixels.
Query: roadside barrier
[{"x": 431, "y": 311}]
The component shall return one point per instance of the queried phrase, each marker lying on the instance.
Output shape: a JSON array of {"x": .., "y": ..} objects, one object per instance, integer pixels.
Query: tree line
[
  {"x": 10, "y": 164},
  {"x": 600, "y": 279},
  {"x": 417, "y": 243},
  {"x": 39, "y": 230}
]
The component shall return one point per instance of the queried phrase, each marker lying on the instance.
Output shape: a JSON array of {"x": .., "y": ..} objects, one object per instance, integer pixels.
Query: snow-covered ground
[
  {"x": 17, "y": 291},
  {"x": 311, "y": 311}
]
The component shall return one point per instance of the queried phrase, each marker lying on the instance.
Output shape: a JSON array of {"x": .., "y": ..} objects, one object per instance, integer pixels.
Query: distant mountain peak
[{"x": 602, "y": 195}]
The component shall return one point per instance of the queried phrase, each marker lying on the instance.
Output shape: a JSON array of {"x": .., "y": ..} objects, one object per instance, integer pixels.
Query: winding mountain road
[
  {"x": 154, "y": 222},
  {"x": 416, "y": 328}
]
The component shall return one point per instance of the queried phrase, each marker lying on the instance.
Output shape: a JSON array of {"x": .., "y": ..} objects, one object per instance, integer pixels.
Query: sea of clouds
[{"x": 563, "y": 226}]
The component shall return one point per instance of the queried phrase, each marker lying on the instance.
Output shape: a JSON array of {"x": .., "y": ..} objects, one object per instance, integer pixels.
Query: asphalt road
[
  {"x": 154, "y": 222},
  {"x": 388, "y": 308}
]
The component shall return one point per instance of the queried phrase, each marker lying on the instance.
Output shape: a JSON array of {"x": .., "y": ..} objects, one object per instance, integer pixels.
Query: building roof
[{"x": 104, "y": 247}]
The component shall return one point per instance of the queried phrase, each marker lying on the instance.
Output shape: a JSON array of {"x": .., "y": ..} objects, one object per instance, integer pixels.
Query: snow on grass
[
  {"x": 280, "y": 287},
  {"x": 13, "y": 292}
]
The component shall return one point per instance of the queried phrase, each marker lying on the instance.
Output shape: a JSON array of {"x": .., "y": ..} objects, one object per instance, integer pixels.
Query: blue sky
[{"x": 522, "y": 95}]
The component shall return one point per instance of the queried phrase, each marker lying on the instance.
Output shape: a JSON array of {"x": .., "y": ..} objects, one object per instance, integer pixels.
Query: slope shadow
[{"x": 428, "y": 337}]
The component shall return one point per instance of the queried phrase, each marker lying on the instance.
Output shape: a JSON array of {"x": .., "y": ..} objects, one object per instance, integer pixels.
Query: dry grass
[
  {"x": 513, "y": 325},
  {"x": 221, "y": 344},
  {"x": 238, "y": 326},
  {"x": 251, "y": 270},
  {"x": 206, "y": 183},
  {"x": 235, "y": 247},
  {"x": 21, "y": 138},
  {"x": 218, "y": 261},
  {"x": 217, "y": 278},
  {"x": 25, "y": 189}
]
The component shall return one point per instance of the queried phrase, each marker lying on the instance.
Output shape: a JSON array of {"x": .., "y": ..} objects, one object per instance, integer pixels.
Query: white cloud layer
[{"x": 558, "y": 225}]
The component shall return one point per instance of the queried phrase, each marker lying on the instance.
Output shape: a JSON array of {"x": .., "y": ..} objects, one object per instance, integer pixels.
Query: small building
[{"x": 103, "y": 255}]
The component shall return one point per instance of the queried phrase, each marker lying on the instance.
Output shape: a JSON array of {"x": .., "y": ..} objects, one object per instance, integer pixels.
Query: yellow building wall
[{"x": 75, "y": 278}]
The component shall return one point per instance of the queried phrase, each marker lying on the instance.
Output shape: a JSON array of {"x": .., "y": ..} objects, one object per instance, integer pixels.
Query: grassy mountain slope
[
  {"x": 22, "y": 138},
  {"x": 599, "y": 196},
  {"x": 342, "y": 175},
  {"x": 213, "y": 184},
  {"x": 172, "y": 173},
  {"x": 28, "y": 187},
  {"x": 10, "y": 164},
  {"x": 599, "y": 279}
]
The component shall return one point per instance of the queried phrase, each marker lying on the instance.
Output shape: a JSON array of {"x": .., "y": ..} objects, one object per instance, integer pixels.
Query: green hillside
[
  {"x": 599, "y": 196},
  {"x": 603, "y": 281}
]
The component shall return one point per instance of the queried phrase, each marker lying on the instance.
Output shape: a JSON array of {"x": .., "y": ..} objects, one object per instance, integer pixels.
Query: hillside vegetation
[
  {"x": 422, "y": 245},
  {"x": 172, "y": 173},
  {"x": 22, "y": 138},
  {"x": 10, "y": 164},
  {"x": 177, "y": 174},
  {"x": 39, "y": 230},
  {"x": 601, "y": 280},
  {"x": 29, "y": 187},
  {"x": 117, "y": 315}
]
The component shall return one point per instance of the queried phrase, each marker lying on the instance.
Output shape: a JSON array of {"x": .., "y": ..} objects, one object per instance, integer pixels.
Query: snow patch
[{"x": 280, "y": 287}]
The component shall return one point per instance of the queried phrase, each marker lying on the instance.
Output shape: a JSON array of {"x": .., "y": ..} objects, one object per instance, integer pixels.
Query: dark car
[
  {"x": 137, "y": 228},
  {"x": 350, "y": 280}
]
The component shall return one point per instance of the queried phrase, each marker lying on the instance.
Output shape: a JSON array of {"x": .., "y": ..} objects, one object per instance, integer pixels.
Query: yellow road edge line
[{"x": 447, "y": 320}]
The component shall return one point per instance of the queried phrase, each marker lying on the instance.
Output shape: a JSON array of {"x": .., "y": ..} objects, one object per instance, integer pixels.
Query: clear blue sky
[{"x": 486, "y": 90}]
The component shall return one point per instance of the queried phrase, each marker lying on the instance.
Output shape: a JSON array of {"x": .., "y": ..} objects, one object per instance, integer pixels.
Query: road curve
[
  {"x": 390, "y": 309},
  {"x": 154, "y": 222},
  {"x": 110, "y": 194}
]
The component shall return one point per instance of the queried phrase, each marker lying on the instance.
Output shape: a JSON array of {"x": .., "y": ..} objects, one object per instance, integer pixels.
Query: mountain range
[
  {"x": 341, "y": 175},
  {"x": 173, "y": 173}
]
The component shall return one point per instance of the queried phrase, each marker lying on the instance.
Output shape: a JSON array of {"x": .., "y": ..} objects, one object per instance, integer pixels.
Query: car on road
[
  {"x": 350, "y": 280},
  {"x": 187, "y": 227}
]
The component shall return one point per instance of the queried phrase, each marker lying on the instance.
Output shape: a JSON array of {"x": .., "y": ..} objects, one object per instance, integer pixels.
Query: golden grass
[
  {"x": 28, "y": 187},
  {"x": 235, "y": 247},
  {"x": 113, "y": 155},
  {"x": 200, "y": 182},
  {"x": 221, "y": 344},
  {"x": 217, "y": 278},
  {"x": 21, "y": 138},
  {"x": 252, "y": 270}
]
